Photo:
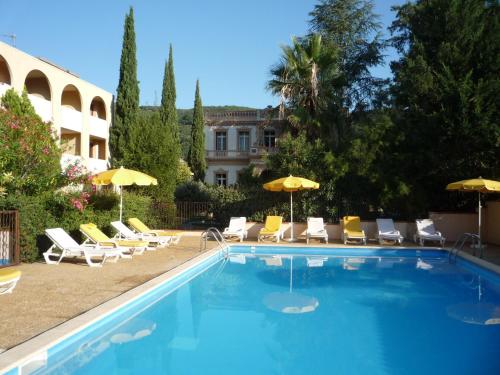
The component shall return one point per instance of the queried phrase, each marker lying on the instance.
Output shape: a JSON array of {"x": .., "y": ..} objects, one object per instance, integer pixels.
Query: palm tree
[{"x": 302, "y": 78}]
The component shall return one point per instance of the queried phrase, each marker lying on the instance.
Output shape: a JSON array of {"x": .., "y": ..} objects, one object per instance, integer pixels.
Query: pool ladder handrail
[
  {"x": 217, "y": 235},
  {"x": 460, "y": 242}
]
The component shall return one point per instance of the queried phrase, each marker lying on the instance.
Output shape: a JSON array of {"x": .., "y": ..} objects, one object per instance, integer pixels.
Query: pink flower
[{"x": 45, "y": 150}]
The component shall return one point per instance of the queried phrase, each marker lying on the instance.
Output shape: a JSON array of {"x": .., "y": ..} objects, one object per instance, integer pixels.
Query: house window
[
  {"x": 244, "y": 141},
  {"x": 269, "y": 138},
  {"x": 220, "y": 141},
  {"x": 221, "y": 179}
]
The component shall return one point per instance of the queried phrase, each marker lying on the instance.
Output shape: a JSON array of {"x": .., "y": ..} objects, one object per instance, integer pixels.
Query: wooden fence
[{"x": 9, "y": 238}]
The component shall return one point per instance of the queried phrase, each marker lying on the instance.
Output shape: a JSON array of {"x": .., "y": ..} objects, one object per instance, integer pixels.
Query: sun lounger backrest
[
  {"x": 237, "y": 223},
  {"x": 138, "y": 225},
  {"x": 61, "y": 239},
  {"x": 273, "y": 223},
  {"x": 315, "y": 224},
  {"x": 352, "y": 223},
  {"x": 93, "y": 232},
  {"x": 426, "y": 226},
  {"x": 123, "y": 229},
  {"x": 385, "y": 225}
]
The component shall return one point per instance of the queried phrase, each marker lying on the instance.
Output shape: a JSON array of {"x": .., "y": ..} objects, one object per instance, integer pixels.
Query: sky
[{"x": 229, "y": 45}]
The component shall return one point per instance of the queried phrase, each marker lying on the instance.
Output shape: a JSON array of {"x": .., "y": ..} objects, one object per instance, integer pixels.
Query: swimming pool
[{"x": 272, "y": 310}]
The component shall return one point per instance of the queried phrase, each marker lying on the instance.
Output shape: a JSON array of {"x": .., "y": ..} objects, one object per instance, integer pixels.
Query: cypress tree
[
  {"x": 127, "y": 98},
  {"x": 170, "y": 130},
  {"x": 196, "y": 155}
]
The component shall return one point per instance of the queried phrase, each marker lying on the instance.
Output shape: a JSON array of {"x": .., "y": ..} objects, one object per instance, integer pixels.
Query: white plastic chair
[
  {"x": 237, "y": 228},
  {"x": 427, "y": 232},
  {"x": 316, "y": 229},
  {"x": 65, "y": 246},
  {"x": 126, "y": 233},
  {"x": 387, "y": 231}
]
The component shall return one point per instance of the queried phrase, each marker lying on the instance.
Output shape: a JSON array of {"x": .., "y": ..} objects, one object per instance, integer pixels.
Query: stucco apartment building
[
  {"x": 79, "y": 111},
  {"x": 236, "y": 139}
]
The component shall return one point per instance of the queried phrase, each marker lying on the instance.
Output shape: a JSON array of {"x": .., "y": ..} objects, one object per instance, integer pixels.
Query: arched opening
[
  {"x": 4, "y": 72},
  {"x": 38, "y": 85},
  {"x": 71, "y": 98},
  {"x": 98, "y": 108}
]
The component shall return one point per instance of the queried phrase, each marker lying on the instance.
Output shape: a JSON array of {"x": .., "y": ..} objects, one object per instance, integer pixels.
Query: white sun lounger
[
  {"x": 237, "y": 228},
  {"x": 427, "y": 232},
  {"x": 316, "y": 229},
  {"x": 387, "y": 231},
  {"x": 126, "y": 233},
  {"x": 65, "y": 246}
]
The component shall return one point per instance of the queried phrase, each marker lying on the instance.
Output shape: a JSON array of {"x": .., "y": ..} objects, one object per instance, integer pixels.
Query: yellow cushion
[
  {"x": 164, "y": 233},
  {"x": 8, "y": 274},
  {"x": 354, "y": 234},
  {"x": 143, "y": 228},
  {"x": 93, "y": 232},
  {"x": 352, "y": 224},
  {"x": 264, "y": 231},
  {"x": 132, "y": 243},
  {"x": 138, "y": 225},
  {"x": 273, "y": 225}
]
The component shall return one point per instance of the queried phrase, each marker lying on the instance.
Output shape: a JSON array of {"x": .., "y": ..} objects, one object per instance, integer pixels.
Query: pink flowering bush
[{"x": 76, "y": 175}]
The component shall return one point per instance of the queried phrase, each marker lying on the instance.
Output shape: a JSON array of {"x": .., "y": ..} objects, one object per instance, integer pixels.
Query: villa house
[
  {"x": 235, "y": 140},
  {"x": 79, "y": 111}
]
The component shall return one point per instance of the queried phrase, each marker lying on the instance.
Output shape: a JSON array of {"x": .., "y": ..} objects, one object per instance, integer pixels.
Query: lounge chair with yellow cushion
[
  {"x": 142, "y": 228},
  {"x": 272, "y": 229},
  {"x": 352, "y": 229},
  {"x": 94, "y": 235},
  {"x": 8, "y": 279}
]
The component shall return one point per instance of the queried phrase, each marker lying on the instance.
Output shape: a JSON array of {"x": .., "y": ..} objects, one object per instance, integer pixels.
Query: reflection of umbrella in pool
[
  {"x": 479, "y": 312},
  {"x": 290, "y": 302},
  {"x": 135, "y": 329},
  {"x": 475, "y": 313}
]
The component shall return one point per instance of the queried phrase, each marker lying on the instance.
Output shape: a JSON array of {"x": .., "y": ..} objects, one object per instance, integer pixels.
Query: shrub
[
  {"x": 52, "y": 210},
  {"x": 28, "y": 153}
]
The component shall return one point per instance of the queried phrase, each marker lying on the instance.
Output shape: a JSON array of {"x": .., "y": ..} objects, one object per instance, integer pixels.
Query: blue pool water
[{"x": 342, "y": 311}]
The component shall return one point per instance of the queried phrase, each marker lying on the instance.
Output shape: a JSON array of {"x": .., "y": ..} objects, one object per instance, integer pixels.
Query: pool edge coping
[{"x": 27, "y": 351}]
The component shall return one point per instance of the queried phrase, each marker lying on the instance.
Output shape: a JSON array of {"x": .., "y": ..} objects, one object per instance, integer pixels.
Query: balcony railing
[
  {"x": 253, "y": 152},
  {"x": 227, "y": 154},
  {"x": 98, "y": 127},
  {"x": 42, "y": 107},
  {"x": 97, "y": 165},
  {"x": 4, "y": 87},
  {"x": 71, "y": 119}
]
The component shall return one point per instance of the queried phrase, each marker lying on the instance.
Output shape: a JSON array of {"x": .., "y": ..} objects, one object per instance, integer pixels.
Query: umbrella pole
[
  {"x": 479, "y": 226},
  {"x": 121, "y": 203},
  {"x": 291, "y": 217}
]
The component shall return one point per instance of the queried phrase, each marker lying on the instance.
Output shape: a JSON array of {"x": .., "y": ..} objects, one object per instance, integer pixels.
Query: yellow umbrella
[
  {"x": 291, "y": 184},
  {"x": 123, "y": 177},
  {"x": 479, "y": 185}
]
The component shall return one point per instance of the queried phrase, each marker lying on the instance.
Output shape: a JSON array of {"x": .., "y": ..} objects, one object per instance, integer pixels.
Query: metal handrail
[
  {"x": 217, "y": 235},
  {"x": 460, "y": 242}
]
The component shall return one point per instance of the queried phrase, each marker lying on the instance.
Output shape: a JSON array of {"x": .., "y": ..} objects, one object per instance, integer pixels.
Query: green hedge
[{"x": 51, "y": 210}]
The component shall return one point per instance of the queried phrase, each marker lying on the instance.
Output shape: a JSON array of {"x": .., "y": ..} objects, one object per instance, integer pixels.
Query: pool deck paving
[{"x": 49, "y": 295}]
